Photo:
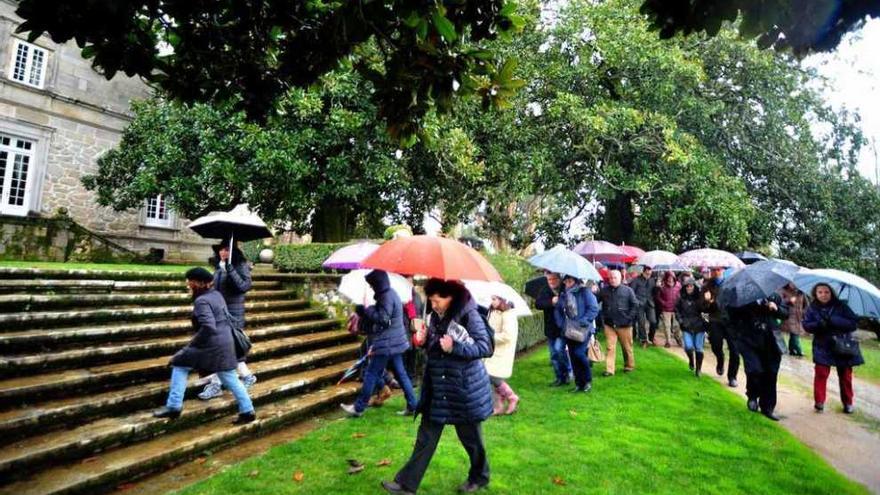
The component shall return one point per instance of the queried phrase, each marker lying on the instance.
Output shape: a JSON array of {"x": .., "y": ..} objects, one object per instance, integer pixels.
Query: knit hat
[{"x": 199, "y": 274}]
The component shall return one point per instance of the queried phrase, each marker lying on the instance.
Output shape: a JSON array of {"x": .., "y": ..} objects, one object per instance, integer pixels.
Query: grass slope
[{"x": 658, "y": 430}]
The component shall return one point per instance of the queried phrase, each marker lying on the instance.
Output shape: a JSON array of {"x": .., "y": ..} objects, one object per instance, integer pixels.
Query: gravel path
[{"x": 849, "y": 443}]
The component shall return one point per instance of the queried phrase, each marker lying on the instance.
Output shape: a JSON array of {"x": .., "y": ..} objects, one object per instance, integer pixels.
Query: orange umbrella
[{"x": 433, "y": 257}]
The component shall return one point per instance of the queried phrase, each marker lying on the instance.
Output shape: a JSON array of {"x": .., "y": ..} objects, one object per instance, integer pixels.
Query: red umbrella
[
  {"x": 433, "y": 257},
  {"x": 632, "y": 251}
]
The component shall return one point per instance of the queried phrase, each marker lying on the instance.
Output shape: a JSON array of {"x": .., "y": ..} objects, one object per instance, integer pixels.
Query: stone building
[{"x": 57, "y": 116}]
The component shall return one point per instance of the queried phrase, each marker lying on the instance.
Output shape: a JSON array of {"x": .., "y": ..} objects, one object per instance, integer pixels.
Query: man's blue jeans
[
  {"x": 375, "y": 369},
  {"x": 228, "y": 378},
  {"x": 559, "y": 358}
]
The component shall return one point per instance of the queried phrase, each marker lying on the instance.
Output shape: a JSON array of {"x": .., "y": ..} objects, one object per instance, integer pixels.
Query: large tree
[{"x": 251, "y": 52}]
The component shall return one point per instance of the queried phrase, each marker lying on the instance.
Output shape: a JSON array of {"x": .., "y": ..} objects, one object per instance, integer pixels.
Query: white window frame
[
  {"x": 12, "y": 152},
  {"x": 29, "y": 63},
  {"x": 152, "y": 221}
]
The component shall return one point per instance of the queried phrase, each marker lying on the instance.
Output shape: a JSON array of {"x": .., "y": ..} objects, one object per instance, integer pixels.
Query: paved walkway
[{"x": 849, "y": 443}]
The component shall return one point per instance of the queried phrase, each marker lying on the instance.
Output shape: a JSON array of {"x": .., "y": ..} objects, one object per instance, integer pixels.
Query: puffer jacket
[
  {"x": 688, "y": 310},
  {"x": 211, "y": 349},
  {"x": 824, "y": 321},
  {"x": 456, "y": 386},
  {"x": 383, "y": 322},
  {"x": 233, "y": 284}
]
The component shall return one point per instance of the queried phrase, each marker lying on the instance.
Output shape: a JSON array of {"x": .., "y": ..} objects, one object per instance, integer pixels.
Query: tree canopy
[{"x": 251, "y": 52}]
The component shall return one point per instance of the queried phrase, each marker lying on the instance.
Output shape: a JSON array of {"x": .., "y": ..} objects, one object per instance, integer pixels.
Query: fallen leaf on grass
[
  {"x": 354, "y": 462},
  {"x": 558, "y": 481},
  {"x": 384, "y": 462},
  {"x": 355, "y": 469},
  {"x": 298, "y": 476},
  {"x": 253, "y": 474},
  {"x": 125, "y": 486},
  {"x": 201, "y": 460},
  {"x": 572, "y": 412},
  {"x": 358, "y": 435}
]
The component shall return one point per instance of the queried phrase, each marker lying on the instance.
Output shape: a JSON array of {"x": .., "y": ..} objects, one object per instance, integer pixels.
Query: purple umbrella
[
  {"x": 602, "y": 251},
  {"x": 350, "y": 257}
]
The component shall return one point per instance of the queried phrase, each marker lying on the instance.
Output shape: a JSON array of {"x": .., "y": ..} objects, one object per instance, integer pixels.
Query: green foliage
[
  {"x": 251, "y": 53},
  {"x": 393, "y": 229},
  {"x": 530, "y": 331},
  {"x": 703, "y": 432},
  {"x": 514, "y": 270},
  {"x": 304, "y": 258},
  {"x": 251, "y": 250}
]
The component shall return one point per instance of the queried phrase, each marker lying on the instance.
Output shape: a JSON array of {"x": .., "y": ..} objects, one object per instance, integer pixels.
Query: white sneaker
[
  {"x": 350, "y": 410},
  {"x": 249, "y": 380},
  {"x": 210, "y": 391}
]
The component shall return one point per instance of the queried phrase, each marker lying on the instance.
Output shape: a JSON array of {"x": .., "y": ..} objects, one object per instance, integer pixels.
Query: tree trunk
[
  {"x": 332, "y": 221},
  {"x": 618, "y": 221}
]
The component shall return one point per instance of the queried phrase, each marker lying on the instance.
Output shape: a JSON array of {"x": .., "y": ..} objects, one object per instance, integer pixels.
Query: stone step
[
  {"x": 37, "y": 286},
  {"x": 59, "y": 274},
  {"x": 38, "y": 302},
  {"x": 42, "y": 339},
  {"x": 36, "y": 452},
  {"x": 68, "y": 412},
  {"x": 126, "y": 463},
  {"x": 28, "y": 320},
  {"x": 32, "y": 363},
  {"x": 91, "y": 379}
]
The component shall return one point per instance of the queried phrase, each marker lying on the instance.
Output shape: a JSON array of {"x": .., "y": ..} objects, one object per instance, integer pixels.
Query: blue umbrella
[
  {"x": 566, "y": 262},
  {"x": 749, "y": 257},
  {"x": 755, "y": 282},
  {"x": 859, "y": 294}
]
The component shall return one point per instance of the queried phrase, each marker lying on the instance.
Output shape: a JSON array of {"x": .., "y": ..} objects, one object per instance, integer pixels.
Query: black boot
[
  {"x": 690, "y": 354},
  {"x": 699, "y": 366}
]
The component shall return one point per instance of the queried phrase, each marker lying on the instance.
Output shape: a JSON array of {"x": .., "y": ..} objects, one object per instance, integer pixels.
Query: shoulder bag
[{"x": 239, "y": 338}]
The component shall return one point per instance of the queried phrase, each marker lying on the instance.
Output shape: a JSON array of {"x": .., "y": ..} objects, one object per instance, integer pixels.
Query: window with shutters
[{"x": 28, "y": 64}]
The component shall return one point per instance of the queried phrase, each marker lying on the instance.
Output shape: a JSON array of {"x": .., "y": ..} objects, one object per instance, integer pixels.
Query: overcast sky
[{"x": 854, "y": 70}]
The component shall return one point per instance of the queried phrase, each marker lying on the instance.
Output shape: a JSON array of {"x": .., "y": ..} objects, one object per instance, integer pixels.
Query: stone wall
[
  {"x": 56, "y": 239},
  {"x": 76, "y": 117}
]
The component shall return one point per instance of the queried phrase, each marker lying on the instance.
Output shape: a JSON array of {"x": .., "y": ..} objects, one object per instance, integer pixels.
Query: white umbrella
[
  {"x": 354, "y": 286},
  {"x": 657, "y": 257},
  {"x": 238, "y": 224},
  {"x": 482, "y": 292}
]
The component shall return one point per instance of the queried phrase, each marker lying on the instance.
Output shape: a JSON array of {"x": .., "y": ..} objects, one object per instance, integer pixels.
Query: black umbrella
[
  {"x": 755, "y": 282},
  {"x": 534, "y": 286},
  {"x": 749, "y": 257}
]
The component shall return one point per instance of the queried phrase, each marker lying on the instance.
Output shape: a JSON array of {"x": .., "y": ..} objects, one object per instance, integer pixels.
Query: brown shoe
[
  {"x": 644, "y": 345},
  {"x": 378, "y": 400}
]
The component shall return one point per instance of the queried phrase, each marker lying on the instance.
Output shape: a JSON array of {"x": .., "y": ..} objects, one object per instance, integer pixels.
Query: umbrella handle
[{"x": 230, "y": 248}]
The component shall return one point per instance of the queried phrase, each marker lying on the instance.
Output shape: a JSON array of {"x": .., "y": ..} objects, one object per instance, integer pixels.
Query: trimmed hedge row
[
  {"x": 304, "y": 258},
  {"x": 531, "y": 331},
  {"x": 514, "y": 270}
]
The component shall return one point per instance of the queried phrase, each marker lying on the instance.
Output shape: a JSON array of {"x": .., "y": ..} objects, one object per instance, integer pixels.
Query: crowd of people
[{"x": 462, "y": 354}]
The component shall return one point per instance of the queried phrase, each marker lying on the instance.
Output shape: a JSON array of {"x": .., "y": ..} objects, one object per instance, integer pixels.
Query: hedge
[
  {"x": 304, "y": 258},
  {"x": 514, "y": 270},
  {"x": 531, "y": 331}
]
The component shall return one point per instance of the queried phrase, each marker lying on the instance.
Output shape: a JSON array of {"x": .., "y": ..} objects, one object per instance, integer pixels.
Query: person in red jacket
[{"x": 666, "y": 299}]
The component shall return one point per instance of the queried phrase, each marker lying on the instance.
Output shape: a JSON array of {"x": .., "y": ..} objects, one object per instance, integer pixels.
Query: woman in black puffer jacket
[
  {"x": 455, "y": 389},
  {"x": 688, "y": 312}
]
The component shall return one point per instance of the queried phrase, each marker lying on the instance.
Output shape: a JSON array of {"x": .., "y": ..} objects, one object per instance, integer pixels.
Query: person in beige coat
[{"x": 502, "y": 319}]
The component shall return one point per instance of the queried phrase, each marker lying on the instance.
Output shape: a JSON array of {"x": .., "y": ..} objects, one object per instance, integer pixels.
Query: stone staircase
[{"x": 83, "y": 361}]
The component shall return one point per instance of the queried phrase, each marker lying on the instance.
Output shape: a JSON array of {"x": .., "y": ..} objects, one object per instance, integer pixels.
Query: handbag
[
  {"x": 573, "y": 329},
  {"x": 239, "y": 338},
  {"x": 353, "y": 324},
  {"x": 845, "y": 345},
  {"x": 594, "y": 351}
]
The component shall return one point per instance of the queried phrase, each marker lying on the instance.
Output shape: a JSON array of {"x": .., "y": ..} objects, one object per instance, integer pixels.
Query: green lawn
[
  {"x": 869, "y": 371},
  {"x": 48, "y": 265},
  {"x": 658, "y": 430}
]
